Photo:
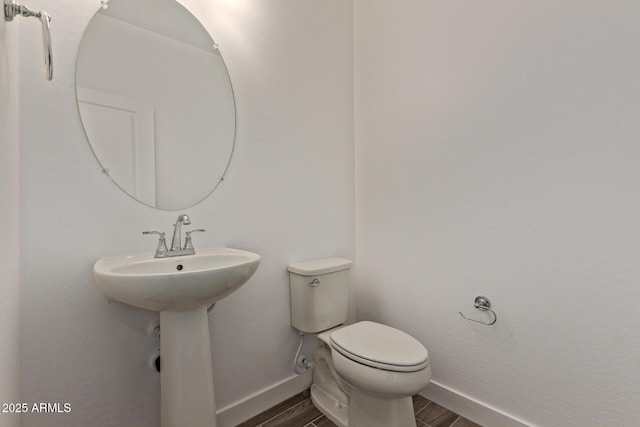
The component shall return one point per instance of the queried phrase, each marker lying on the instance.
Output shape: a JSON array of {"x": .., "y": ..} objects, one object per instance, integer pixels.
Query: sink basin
[{"x": 176, "y": 283}]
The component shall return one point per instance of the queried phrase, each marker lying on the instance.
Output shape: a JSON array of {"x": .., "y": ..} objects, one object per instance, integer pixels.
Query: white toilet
[{"x": 364, "y": 373}]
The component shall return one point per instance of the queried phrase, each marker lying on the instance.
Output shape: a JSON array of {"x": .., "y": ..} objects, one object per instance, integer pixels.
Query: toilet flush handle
[{"x": 314, "y": 283}]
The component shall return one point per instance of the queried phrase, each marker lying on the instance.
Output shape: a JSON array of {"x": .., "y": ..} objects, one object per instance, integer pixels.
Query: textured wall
[
  {"x": 497, "y": 153},
  {"x": 9, "y": 220},
  {"x": 288, "y": 196}
]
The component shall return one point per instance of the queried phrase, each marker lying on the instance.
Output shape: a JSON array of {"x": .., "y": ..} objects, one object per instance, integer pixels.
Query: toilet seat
[{"x": 380, "y": 346}]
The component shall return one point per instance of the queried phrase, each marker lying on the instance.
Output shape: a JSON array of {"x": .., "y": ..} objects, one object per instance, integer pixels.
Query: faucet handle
[
  {"x": 197, "y": 230},
  {"x": 188, "y": 244},
  {"x": 161, "y": 250}
]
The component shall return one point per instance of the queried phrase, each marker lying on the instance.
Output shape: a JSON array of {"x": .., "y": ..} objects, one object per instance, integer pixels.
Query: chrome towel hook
[
  {"x": 13, "y": 9},
  {"x": 482, "y": 304}
]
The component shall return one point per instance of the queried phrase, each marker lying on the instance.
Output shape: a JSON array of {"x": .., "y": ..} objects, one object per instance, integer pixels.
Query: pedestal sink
[{"x": 180, "y": 288}]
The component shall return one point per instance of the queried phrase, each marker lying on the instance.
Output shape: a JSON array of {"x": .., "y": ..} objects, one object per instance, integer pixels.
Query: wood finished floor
[{"x": 298, "y": 411}]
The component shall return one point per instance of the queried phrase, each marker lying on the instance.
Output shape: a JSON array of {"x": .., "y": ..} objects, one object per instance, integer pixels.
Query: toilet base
[
  {"x": 333, "y": 409},
  {"x": 366, "y": 410}
]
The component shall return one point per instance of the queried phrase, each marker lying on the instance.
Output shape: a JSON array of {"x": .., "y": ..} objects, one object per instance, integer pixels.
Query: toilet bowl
[{"x": 364, "y": 374}]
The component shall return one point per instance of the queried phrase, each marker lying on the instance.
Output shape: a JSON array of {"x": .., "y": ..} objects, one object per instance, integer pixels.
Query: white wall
[
  {"x": 9, "y": 220},
  {"x": 497, "y": 153},
  {"x": 288, "y": 196}
]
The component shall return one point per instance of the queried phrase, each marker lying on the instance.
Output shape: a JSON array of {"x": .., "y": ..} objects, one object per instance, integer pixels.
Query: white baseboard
[
  {"x": 242, "y": 410},
  {"x": 469, "y": 407}
]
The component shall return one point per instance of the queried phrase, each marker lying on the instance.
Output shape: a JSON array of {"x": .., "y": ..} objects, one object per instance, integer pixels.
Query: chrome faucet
[
  {"x": 176, "y": 246},
  {"x": 177, "y": 232}
]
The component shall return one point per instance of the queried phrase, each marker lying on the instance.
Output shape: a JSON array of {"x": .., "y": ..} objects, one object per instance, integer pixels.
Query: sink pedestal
[{"x": 186, "y": 377}]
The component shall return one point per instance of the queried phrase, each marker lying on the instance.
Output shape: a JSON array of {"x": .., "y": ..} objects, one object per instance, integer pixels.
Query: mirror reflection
[{"x": 156, "y": 102}]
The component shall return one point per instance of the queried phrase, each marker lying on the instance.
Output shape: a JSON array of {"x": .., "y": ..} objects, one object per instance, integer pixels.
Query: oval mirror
[{"x": 155, "y": 101}]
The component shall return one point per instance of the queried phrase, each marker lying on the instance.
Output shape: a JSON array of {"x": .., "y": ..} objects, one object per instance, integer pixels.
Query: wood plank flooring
[{"x": 298, "y": 411}]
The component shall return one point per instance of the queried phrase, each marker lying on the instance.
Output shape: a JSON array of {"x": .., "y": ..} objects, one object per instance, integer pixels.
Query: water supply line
[{"x": 301, "y": 362}]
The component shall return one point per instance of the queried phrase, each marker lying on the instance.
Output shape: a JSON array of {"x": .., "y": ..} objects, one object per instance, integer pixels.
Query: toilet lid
[{"x": 380, "y": 346}]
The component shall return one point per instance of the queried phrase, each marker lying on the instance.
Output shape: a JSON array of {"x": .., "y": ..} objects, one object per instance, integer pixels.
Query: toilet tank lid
[{"x": 320, "y": 266}]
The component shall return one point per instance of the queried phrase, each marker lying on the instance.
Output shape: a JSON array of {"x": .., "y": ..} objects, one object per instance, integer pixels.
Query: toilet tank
[{"x": 319, "y": 293}]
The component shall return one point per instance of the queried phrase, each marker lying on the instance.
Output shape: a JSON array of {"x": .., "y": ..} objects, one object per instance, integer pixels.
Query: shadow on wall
[{"x": 136, "y": 319}]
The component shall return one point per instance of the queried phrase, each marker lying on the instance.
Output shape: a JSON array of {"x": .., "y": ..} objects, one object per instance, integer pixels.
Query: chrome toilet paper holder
[{"x": 482, "y": 303}]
